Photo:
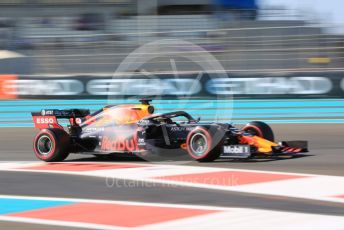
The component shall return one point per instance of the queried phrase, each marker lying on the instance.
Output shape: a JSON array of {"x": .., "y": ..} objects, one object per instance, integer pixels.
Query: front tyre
[
  {"x": 201, "y": 146},
  {"x": 51, "y": 145},
  {"x": 260, "y": 129}
]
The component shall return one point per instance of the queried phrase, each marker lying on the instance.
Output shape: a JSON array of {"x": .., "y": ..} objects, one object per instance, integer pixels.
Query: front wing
[{"x": 284, "y": 148}]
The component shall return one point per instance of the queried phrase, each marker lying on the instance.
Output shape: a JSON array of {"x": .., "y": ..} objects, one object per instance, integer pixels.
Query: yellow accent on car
[{"x": 263, "y": 145}]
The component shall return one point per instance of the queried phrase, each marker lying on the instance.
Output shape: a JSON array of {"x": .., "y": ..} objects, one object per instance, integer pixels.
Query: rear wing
[{"x": 48, "y": 118}]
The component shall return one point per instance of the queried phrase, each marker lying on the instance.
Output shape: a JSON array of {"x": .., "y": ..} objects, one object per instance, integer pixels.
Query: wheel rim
[
  {"x": 44, "y": 145},
  {"x": 253, "y": 132},
  {"x": 199, "y": 144}
]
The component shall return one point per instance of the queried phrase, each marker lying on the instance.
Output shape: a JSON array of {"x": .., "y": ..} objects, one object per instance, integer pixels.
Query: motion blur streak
[{"x": 17, "y": 113}]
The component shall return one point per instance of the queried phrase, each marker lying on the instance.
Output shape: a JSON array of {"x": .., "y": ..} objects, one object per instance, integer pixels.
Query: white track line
[
  {"x": 233, "y": 218},
  {"x": 308, "y": 186}
]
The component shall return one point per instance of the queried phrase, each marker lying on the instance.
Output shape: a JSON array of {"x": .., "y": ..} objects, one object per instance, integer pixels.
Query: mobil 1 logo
[{"x": 237, "y": 151}]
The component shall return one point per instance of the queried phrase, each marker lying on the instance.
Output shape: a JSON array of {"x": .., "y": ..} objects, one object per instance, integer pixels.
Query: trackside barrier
[
  {"x": 288, "y": 98},
  {"x": 17, "y": 113},
  {"x": 167, "y": 86}
]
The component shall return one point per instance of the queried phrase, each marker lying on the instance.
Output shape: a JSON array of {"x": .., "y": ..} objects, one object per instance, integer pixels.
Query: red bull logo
[{"x": 119, "y": 144}]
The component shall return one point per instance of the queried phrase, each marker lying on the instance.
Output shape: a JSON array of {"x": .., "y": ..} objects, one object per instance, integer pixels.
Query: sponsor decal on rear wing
[
  {"x": 47, "y": 118},
  {"x": 43, "y": 122}
]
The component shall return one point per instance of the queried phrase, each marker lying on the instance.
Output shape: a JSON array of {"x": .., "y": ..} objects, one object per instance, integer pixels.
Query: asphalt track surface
[{"x": 326, "y": 157}]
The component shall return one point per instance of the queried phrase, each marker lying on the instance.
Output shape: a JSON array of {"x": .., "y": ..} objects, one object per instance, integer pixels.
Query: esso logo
[{"x": 44, "y": 120}]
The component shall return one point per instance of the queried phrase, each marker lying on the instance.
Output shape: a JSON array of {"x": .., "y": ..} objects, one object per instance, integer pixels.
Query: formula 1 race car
[{"x": 133, "y": 128}]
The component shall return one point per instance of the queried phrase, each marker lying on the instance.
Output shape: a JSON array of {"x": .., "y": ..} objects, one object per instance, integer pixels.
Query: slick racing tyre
[
  {"x": 260, "y": 129},
  {"x": 51, "y": 145},
  {"x": 201, "y": 145}
]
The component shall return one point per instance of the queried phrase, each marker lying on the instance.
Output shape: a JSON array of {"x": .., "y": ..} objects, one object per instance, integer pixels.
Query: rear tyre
[
  {"x": 51, "y": 145},
  {"x": 201, "y": 145},
  {"x": 260, "y": 129}
]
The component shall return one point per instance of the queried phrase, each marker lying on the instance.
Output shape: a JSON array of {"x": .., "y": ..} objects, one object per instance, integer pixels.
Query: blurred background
[
  {"x": 94, "y": 36},
  {"x": 269, "y": 49}
]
